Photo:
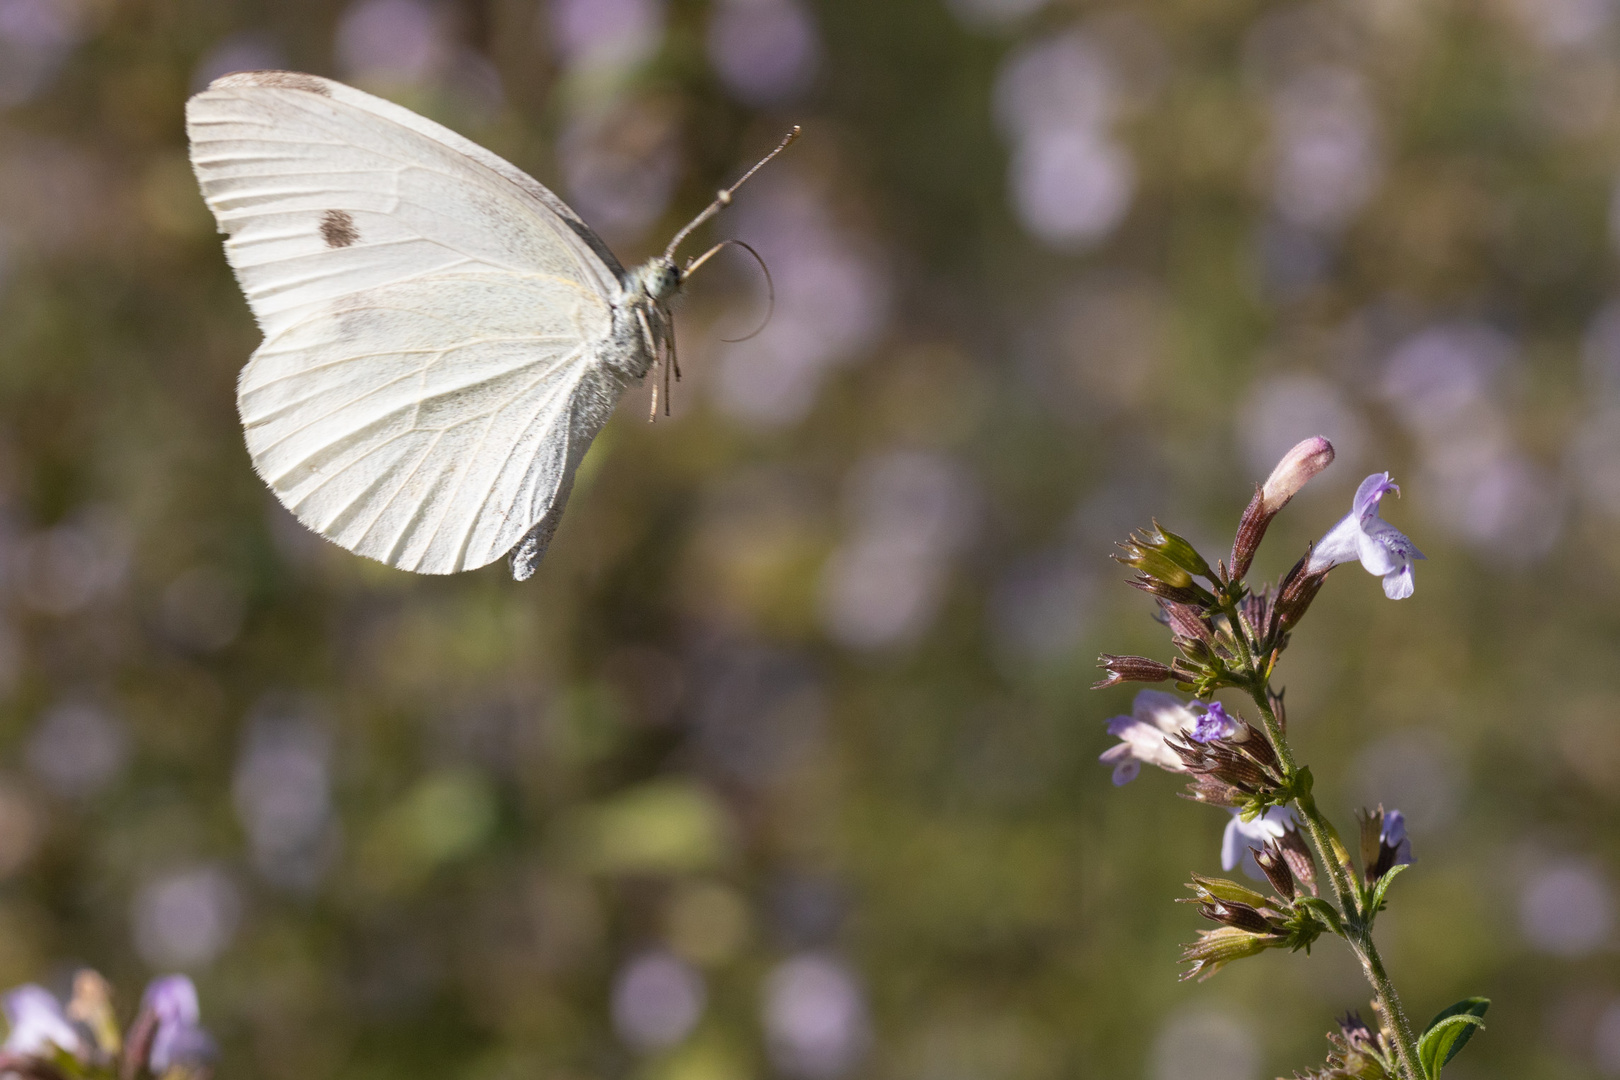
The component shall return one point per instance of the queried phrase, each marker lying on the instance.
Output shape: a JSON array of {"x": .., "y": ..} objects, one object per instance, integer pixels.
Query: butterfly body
[{"x": 643, "y": 326}]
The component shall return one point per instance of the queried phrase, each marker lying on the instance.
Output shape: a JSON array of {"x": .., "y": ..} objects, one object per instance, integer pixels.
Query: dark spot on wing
[
  {"x": 338, "y": 229},
  {"x": 280, "y": 80}
]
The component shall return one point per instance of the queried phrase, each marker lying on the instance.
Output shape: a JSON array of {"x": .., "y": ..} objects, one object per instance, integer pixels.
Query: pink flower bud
[{"x": 1297, "y": 468}]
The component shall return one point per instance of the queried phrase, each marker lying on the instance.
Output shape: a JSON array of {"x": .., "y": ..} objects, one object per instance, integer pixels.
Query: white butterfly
[{"x": 443, "y": 337}]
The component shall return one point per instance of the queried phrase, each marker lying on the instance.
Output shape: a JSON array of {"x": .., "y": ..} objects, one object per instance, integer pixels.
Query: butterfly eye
[{"x": 663, "y": 279}]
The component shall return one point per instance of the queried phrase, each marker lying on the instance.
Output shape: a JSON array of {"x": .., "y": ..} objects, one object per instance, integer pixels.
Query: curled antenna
[
  {"x": 770, "y": 286},
  {"x": 723, "y": 199}
]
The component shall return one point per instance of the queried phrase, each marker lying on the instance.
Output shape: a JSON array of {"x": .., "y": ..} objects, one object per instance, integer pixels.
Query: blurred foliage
[{"x": 804, "y": 682}]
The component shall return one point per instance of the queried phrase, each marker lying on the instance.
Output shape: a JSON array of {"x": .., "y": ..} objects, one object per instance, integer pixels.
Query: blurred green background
[{"x": 784, "y": 763}]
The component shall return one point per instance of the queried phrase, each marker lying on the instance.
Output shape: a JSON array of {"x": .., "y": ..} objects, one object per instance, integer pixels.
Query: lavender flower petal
[
  {"x": 38, "y": 1023},
  {"x": 1362, "y": 535},
  {"x": 1242, "y": 837},
  {"x": 1214, "y": 723},
  {"x": 1394, "y": 836},
  {"x": 1155, "y": 716},
  {"x": 180, "y": 1038}
]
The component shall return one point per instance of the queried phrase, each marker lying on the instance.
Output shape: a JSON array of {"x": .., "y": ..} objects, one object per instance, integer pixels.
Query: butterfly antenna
[
  {"x": 770, "y": 286},
  {"x": 723, "y": 199}
]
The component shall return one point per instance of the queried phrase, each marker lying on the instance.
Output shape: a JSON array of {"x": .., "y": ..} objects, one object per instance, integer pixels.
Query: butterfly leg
[
  {"x": 675, "y": 361},
  {"x": 655, "y": 353},
  {"x": 669, "y": 363}
]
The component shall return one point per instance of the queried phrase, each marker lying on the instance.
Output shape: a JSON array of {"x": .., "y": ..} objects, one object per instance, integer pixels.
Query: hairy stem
[
  {"x": 1337, "y": 863},
  {"x": 1331, "y": 852},
  {"x": 1240, "y": 635},
  {"x": 1400, "y": 1028}
]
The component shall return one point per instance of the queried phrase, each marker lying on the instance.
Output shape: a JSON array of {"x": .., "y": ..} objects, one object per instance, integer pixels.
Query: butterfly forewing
[{"x": 429, "y": 377}]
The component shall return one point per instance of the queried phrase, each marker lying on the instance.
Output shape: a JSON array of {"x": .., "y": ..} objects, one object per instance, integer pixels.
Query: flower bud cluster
[
  {"x": 1232, "y": 764},
  {"x": 1223, "y": 629},
  {"x": 1208, "y": 651},
  {"x": 1359, "y": 1053},
  {"x": 1214, "y": 628},
  {"x": 1166, "y": 565},
  {"x": 1285, "y": 859},
  {"x": 1251, "y": 923}
]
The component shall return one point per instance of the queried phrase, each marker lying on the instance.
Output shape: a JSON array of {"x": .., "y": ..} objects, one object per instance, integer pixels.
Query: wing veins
[
  {"x": 400, "y": 487},
  {"x": 323, "y": 119},
  {"x": 327, "y": 415},
  {"x": 483, "y": 500},
  {"x": 389, "y": 352},
  {"x": 373, "y": 486},
  {"x": 324, "y": 314}
]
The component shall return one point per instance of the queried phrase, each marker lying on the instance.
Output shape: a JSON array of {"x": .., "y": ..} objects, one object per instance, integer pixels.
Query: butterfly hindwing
[{"x": 409, "y": 429}]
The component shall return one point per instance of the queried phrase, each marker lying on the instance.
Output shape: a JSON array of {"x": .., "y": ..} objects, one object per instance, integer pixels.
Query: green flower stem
[
  {"x": 1336, "y": 861},
  {"x": 1321, "y": 832},
  {"x": 1240, "y": 635},
  {"x": 1400, "y": 1027}
]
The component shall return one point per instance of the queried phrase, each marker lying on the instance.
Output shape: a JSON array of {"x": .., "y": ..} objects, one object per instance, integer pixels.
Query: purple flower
[
  {"x": 38, "y": 1024},
  {"x": 1242, "y": 838},
  {"x": 179, "y": 1039},
  {"x": 1393, "y": 836},
  {"x": 1382, "y": 548},
  {"x": 1213, "y": 723},
  {"x": 1155, "y": 715}
]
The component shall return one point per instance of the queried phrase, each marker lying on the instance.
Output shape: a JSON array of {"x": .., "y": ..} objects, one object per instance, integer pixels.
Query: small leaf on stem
[{"x": 1449, "y": 1032}]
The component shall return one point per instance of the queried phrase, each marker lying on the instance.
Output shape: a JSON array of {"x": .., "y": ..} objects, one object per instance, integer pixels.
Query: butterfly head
[{"x": 661, "y": 279}]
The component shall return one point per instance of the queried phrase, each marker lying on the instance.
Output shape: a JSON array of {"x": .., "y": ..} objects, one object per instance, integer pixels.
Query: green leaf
[
  {"x": 1449, "y": 1032},
  {"x": 1443, "y": 1040},
  {"x": 1303, "y": 781},
  {"x": 1375, "y": 895},
  {"x": 1324, "y": 911}
]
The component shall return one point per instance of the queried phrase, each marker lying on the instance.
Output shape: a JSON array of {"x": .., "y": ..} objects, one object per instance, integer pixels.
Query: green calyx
[
  {"x": 1166, "y": 558},
  {"x": 1216, "y": 948},
  {"x": 1207, "y": 888},
  {"x": 1180, "y": 552}
]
